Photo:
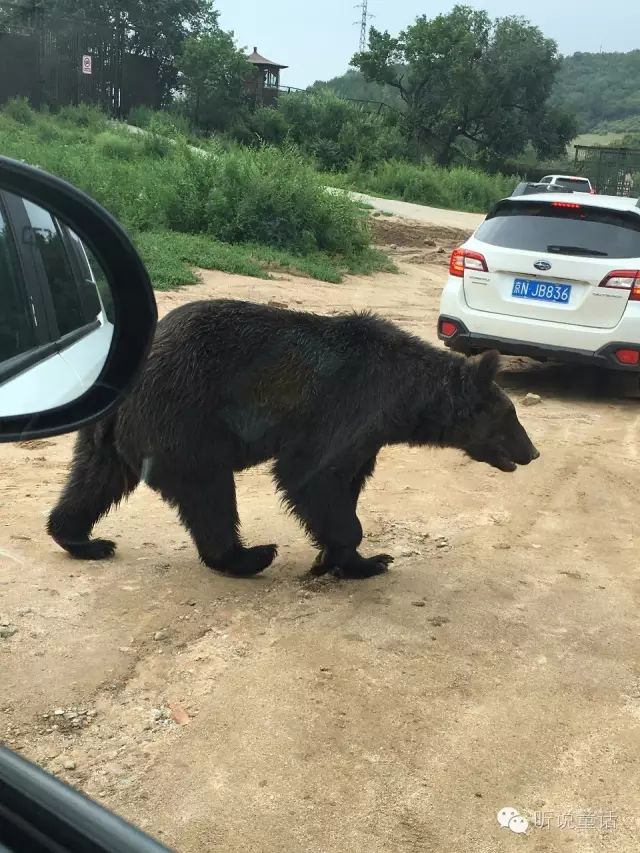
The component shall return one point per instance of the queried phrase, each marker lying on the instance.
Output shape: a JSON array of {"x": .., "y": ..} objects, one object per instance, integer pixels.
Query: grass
[
  {"x": 239, "y": 210},
  {"x": 458, "y": 188},
  {"x": 595, "y": 139},
  {"x": 170, "y": 261}
]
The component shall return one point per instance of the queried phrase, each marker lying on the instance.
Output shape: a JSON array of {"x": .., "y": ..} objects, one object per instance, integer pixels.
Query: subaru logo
[{"x": 542, "y": 265}]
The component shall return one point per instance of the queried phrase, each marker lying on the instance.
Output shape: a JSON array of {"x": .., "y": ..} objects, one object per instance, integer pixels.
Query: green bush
[
  {"x": 262, "y": 125},
  {"x": 170, "y": 122},
  {"x": 270, "y": 196},
  {"x": 335, "y": 132},
  {"x": 83, "y": 115},
  {"x": 155, "y": 145},
  {"x": 118, "y": 145},
  {"x": 141, "y": 116},
  {"x": 46, "y": 131},
  {"x": 19, "y": 110},
  {"x": 458, "y": 188}
]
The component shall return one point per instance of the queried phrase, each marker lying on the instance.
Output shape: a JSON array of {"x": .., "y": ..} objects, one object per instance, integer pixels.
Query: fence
[
  {"x": 613, "y": 171},
  {"x": 70, "y": 66}
]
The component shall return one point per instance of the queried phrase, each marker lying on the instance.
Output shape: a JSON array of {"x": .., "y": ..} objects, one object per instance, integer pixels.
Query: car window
[
  {"x": 17, "y": 332},
  {"x": 93, "y": 272},
  {"x": 68, "y": 306},
  {"x": 545, "y": 181},
  {"x": 536, "y": 226},
  {"x": 574, "y": 184}
]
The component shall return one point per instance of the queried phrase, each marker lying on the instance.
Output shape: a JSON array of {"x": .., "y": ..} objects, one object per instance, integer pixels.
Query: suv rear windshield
[
  {"x": 577, "y": 184},
  {"x": 541, "y": 227}
]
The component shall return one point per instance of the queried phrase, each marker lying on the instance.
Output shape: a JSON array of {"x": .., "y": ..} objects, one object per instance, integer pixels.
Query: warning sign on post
[{"x": 86, "y": 64}]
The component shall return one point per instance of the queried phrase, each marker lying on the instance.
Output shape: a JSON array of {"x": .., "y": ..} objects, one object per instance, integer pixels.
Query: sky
[{"x": 316, "y": 38}]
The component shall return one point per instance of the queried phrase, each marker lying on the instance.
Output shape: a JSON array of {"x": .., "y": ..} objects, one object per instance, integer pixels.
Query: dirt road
[{"x": 497, "y": 664}]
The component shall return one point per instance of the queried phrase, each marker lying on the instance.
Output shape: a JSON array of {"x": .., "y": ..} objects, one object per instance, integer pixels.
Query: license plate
[{"x": 543, "y": 291}]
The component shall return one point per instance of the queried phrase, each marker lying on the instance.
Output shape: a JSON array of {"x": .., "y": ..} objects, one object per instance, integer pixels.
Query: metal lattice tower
[{"x": 363, "y": 23}]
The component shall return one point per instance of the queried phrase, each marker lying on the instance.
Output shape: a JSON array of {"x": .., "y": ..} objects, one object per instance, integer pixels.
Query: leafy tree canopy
[
  {"x": 214, "y": 72},
  {"x": 463, "y": 76}
]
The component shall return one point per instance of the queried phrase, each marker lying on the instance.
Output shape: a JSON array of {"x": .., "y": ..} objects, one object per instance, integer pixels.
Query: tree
[
  {"x": 463, "y": 76},
  {"x": 338, "y": 133},
  {"x": 353, "y": 86},
  {"x": 214, "y": 72}
]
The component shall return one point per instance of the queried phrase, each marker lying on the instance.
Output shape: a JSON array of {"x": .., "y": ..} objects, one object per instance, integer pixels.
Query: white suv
[
  {"x": 550, "y": 276},
  {"x": 568, "y": 182}
]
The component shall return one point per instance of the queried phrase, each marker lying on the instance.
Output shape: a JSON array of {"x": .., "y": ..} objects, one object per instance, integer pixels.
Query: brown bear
[{"x": 231, "y": 384}]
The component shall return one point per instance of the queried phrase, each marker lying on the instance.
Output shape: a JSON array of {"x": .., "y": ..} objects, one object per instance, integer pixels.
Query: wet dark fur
[{"x": 231, "y": 384}]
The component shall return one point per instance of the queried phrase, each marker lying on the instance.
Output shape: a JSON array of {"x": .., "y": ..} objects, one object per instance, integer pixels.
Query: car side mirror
[{"x": 77, "y": 311}]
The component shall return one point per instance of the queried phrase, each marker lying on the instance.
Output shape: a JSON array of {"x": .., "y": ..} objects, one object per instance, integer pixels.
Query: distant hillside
[{"x": 602, "y": 89}]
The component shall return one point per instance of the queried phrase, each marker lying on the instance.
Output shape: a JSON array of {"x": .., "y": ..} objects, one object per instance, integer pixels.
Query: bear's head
[{"x": 490, "y": 430}]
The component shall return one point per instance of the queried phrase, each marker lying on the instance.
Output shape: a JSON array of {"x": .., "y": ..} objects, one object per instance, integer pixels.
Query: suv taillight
[
  {"x": 624, "y": 280},
  {"x": 465, "y": 259}
]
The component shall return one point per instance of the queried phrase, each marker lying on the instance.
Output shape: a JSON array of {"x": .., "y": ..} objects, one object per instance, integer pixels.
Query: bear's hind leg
[
  {"x": 206, "y": 503},
  {"x": 99, "y": 479},
  {"x": 325, "y": 504}
]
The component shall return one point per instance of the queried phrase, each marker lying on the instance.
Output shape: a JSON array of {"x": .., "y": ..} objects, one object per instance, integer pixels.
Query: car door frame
[
  {"x": 33, "y": 293},
  {"x": 33, "y": 281}
]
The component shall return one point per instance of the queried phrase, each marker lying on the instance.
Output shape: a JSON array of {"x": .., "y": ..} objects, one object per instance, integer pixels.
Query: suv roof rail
[{"x": 529, "y": 188}]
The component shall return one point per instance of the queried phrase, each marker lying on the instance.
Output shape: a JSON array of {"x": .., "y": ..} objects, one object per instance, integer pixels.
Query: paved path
[{"x": 421, "y": 213}]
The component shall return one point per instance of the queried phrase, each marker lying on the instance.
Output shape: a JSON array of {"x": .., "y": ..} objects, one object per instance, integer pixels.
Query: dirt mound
[{"x": 405, "y": 233}]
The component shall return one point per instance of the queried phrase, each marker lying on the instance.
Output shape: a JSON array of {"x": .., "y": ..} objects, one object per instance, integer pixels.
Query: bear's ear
[{"x": 485, "y": 367}]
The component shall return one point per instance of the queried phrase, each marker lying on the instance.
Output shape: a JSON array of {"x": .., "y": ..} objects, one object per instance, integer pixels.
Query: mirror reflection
[{"x": 56, "y": 311}]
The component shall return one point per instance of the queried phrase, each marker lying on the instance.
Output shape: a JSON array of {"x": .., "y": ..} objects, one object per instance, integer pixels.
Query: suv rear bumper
[{"x": 468, "y": 342}]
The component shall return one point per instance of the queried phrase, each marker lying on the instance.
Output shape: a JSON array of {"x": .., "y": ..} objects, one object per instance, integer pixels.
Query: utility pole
[{"x": 363, "y": 23}]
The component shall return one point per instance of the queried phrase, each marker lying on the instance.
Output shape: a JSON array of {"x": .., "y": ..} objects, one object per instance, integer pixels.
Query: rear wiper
[{"x": 577, "y": 250}]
